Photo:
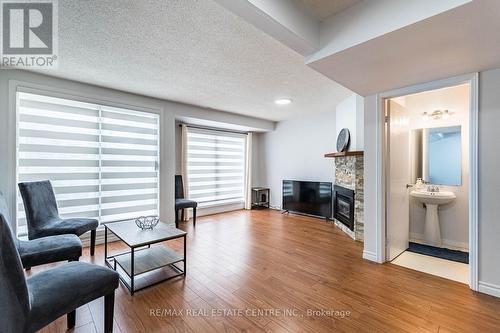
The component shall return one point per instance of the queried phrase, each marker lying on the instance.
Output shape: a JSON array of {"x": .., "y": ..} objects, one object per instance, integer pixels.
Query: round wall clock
[{"x": 343, "y": 140}]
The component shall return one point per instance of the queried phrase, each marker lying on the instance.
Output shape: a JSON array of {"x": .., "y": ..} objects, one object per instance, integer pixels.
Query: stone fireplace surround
[{"x": 349, "y": 174}]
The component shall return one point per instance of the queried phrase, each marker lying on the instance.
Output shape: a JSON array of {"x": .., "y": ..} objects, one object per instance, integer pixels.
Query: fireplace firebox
[{"x": 343, "y": 206}]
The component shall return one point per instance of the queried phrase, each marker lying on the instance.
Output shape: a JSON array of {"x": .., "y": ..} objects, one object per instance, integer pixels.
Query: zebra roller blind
[
  {"x": 102, "y": 161},
  {"x": 216, "y": 166}
]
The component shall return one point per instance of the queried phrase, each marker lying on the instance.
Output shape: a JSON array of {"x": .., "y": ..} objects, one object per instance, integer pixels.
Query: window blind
[
  {"x": 216, "y": 166},
  {"x": 102, "y": 161}
]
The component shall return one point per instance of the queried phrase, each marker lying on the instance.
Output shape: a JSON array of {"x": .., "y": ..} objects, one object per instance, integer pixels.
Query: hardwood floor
[{"x": 285, "y": 267}]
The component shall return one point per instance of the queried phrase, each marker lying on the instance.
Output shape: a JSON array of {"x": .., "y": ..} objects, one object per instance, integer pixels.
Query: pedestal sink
[{"x": 432, "y": 231}]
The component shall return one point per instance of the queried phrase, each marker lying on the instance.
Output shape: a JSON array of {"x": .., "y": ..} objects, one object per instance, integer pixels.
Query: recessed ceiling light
[{"x": 283, "y": 101}]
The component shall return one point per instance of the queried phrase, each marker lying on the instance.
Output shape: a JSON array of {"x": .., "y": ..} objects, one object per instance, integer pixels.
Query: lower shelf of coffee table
[{"x": 148, "y": 259}]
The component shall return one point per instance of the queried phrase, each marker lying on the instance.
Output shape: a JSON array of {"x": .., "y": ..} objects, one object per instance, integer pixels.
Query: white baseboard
[
  {"x": 449, "y": 244},
  {"x": 368, "y": 255},
  {"x": 219, "y": 209},
  {"x": 215, "y": 209},
  {"x": 489, "y": 288}
]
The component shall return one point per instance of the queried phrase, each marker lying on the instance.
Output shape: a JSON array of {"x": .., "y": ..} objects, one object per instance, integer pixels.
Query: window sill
[
  {"x": 222, "y": 204},
  {"x": 218, "y": 208}
]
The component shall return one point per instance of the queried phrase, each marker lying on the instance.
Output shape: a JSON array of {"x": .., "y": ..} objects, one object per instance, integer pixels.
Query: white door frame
[{"x": 472, "y": 80}]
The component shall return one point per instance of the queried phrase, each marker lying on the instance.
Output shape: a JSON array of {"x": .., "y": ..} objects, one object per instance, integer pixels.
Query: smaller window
[{"x": 216, "y": 166}]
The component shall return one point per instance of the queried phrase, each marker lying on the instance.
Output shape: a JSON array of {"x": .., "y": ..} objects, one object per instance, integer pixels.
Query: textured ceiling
[
  {"x": 191, "y": 51},
  {"x": 321, "y": 9}
]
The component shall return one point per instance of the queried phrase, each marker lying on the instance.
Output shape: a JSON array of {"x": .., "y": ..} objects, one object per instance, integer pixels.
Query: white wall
[
  {"x": 453, "y": 217},
  {"x": 373, "y": 187},
  {"x": 489, "y": 181},
  {"x": 168, "y": 111},
  {"x": 349, "y": 114},
  {"x": 294, "y": 150}
]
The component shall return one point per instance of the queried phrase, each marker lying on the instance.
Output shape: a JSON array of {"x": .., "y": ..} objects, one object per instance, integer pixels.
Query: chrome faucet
[{"x": 432, "y": 188}]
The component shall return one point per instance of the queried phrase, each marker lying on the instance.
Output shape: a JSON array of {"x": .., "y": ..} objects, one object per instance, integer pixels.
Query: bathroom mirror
[{"x": 436, "y": 155}]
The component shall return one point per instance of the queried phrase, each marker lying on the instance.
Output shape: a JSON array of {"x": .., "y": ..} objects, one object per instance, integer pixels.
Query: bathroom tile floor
[{"x": 436, "y": 266}]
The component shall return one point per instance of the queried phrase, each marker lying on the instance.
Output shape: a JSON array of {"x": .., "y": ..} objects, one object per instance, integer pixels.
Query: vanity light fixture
[
  {"x": 436, "y": 115},
  {"x": 283, "y": 101}
]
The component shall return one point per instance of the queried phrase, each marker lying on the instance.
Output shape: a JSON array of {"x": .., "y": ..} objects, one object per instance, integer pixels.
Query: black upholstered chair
[
  {"x": 27, "y": 305},
  {"x": 49, "y": 249},
  {"x": 44, "y": 250},
  {"x": 42, "y": 215},
  {"x": 181, "y": 203}
]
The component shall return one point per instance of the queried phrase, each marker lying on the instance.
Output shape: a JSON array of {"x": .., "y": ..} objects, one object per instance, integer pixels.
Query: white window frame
[
  {"x": 216, "y": 207},
  {"x": 16, "y": 86}
]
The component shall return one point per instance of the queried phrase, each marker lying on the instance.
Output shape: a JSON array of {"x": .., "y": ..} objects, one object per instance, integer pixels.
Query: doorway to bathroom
[{"x": 427, "y": 150}]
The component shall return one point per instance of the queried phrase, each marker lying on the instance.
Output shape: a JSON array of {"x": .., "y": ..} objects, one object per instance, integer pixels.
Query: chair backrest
[
  {"x": 14, "y": 304},
  {"x": 40, "y": 204},
  {"x": 179, "y": 187}
]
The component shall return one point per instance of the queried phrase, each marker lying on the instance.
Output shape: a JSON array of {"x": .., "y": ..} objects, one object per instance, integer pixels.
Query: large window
[
  {"x": 215, "y": 166},
  {"x": 102, "y": 161}
]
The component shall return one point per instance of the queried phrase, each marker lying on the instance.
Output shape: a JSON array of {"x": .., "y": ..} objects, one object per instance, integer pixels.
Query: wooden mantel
[{"x": 345, "y": 153}]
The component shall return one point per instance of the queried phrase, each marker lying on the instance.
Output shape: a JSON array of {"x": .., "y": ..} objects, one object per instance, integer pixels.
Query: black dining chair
[
  {"x": 181, "y": 203},
  {"x": 28, "y": 305},
  {"x": 43, "y": 250},
  {"x": 42, "y": 214}
]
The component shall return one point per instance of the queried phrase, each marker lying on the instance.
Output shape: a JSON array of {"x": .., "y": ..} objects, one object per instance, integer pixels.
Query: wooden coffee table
[{"x": 147, "y": 264}]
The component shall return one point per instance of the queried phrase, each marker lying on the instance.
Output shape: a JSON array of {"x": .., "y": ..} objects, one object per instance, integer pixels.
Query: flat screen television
[{"x": 311, "y": 198}]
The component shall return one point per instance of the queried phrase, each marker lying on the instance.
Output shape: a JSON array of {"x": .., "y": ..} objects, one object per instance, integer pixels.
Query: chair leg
[
  {"x": 182, "y": 215},
  {"x": 92, "y": 242},
  {"x": 176, "y": 218},
  {"x": 109, "y": 304},
  {"x": 194, "y": 216},
  {"x": 71, "y": 319}
]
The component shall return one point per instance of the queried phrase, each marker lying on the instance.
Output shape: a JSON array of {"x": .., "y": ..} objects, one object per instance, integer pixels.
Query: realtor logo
[{"x": 29, "y": 33}]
